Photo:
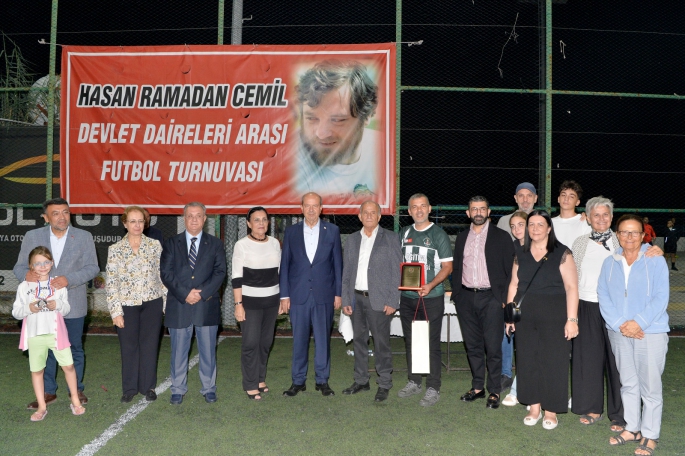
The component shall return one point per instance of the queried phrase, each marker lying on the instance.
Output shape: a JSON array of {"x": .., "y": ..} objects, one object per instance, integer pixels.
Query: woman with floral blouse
[{"x": 135, "y": 298}]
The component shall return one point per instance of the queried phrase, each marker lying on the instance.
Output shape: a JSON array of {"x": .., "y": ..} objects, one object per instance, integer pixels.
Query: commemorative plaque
[{"x": 412, "y": 276}]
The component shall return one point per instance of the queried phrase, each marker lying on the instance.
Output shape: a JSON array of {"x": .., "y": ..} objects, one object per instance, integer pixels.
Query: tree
[{"x": 22, "y": 101}]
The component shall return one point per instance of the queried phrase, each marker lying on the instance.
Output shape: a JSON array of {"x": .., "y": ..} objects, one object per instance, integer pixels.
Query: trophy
[{"x": 412, "y": 276}]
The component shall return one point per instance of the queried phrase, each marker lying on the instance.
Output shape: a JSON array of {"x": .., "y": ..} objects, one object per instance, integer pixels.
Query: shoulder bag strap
[{"x": 520, "y": 300}]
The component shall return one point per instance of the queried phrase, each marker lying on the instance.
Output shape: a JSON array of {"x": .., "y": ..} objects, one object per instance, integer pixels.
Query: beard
[
  {"x": 478, "y": 220},
  {"x": 340, "y": 153}
]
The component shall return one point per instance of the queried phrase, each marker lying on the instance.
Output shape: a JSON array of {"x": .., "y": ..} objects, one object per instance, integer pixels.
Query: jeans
[
  {"x": 513, "y": 388},
  {"x": 507, "y": 354}
]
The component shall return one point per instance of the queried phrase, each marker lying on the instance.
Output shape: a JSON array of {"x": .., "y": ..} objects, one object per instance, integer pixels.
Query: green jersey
[{"x": 430, "y": 247}]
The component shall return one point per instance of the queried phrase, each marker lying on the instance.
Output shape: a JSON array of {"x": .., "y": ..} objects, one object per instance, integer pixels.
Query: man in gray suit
[
  {"x": 371, "y": 277},
  {"x": 75, "y": 261}
]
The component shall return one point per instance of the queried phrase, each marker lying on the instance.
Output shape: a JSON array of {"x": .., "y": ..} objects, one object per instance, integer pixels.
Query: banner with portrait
[{"x": 230, "y": 126}]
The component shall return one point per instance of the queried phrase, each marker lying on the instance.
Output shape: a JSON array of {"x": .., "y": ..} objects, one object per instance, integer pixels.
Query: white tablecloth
[{"x": 450, "y": 317}]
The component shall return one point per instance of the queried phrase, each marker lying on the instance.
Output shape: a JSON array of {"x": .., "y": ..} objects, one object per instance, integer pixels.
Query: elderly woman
[
  {"x": 545, "y": 273},
  {"x": 256, "y": 263},
  {"x": 591, "y": 349},
  {"x": 135, "y": 298},
  {"x": 633, "y": 296}
]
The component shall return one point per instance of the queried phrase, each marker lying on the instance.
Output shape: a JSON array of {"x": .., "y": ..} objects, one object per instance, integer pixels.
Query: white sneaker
[
  {"x": 431, "y": 398},
  {"x": 409, "y": 390},
  {"x": 510, "y": 400}
]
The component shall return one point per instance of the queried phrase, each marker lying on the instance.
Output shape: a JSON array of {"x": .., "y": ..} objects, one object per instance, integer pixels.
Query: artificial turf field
[{"x": 306, "y": 424}]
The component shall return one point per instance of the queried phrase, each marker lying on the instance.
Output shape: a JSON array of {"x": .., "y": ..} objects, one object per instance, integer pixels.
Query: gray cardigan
[{"x": 78, "y": 263}]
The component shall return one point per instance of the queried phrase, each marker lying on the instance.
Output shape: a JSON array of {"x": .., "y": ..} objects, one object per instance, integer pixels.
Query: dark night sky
[{"x": 456, "y": 144}]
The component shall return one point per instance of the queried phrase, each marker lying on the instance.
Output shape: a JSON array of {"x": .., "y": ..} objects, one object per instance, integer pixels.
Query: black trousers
[
  {"x": 139, "y": 344},
  {"x": 542, "y": 352},
  {"x": 435, "y": 307},
  {"x": 258, "y": 335},
  {"x": 482, "y": 325},
  {"x": 364, "y": 318},
  {"x": 592, "y": 357}
]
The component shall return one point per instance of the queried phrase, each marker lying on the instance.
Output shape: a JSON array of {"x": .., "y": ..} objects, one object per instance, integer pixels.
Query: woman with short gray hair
[{"x": 591, "y": 349}]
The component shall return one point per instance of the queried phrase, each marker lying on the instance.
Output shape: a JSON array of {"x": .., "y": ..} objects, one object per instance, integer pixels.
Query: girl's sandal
[
  {"x": 617, "y": 440},
  {"x": 39, "y": 416},
  {"x": 263, "y": 389},
  {"x": 77, "y": 409}
]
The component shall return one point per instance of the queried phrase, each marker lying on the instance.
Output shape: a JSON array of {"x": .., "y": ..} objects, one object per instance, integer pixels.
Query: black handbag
[{"x": 512, "y": 310}]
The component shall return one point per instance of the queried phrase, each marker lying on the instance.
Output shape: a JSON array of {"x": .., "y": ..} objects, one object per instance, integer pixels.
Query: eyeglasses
[
  {"x": 630, "y": 234},
  {"x": 42, "y": 264}
]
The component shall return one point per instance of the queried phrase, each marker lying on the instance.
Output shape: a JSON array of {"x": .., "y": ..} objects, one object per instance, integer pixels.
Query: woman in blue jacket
[{"x": 633, "y": 297}]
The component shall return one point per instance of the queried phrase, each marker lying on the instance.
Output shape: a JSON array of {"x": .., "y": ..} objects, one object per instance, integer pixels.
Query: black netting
[{"x": 478, "y": 139}]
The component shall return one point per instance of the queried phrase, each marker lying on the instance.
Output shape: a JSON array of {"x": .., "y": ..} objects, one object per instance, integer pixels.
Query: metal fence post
[
  {"x": 398, "y": 107},
  {"x": 231, "y": 221},
  {"x": 548, "y": 106},
  {"x": 51, "y": 102}
]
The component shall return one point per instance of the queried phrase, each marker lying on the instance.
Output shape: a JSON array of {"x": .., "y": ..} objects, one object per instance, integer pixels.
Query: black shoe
[
  {"x": 506, "y": 382},
  {"x": 356, "y": 387},
  {"x": 493, "y": 401},
  {"x": 210, "y": 397},
  {"x": 151, "y": 395},
  {"x": 381, "y": 394},
  {"x": 126, "y": 398},
  {"x": 325, "y": 389},
  {"x": 673, "y": 268},
  {"x": 471, "y": 395},
  {"x": 294, "y": 389}
]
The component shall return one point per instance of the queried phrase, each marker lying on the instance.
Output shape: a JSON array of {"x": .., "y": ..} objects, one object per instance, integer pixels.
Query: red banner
[{"x": 230, "y": 126}]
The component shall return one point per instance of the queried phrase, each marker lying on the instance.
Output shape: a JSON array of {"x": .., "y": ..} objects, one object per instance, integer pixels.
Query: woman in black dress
[{"x": 549, "y": 320}]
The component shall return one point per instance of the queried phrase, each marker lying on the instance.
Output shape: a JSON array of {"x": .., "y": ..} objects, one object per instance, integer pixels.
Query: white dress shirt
[
  {"x": 57, "y": 245},
  {"x": 362, "y": 280},
  {"x": 311, "y": 239}
]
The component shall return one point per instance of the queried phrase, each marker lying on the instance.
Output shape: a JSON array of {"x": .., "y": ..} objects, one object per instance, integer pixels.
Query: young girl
[
  {"x": 41, "y": 307},
  {"x": 518, "y": 223}
]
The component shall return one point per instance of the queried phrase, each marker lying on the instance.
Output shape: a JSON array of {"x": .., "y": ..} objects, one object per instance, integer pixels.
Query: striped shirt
[
  {"x": 255, "y": 270},
  {"x": 475, "y": 269}
]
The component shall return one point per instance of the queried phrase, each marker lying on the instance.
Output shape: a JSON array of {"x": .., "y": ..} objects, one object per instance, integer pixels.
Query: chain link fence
[{"x": 477, "y": 110}]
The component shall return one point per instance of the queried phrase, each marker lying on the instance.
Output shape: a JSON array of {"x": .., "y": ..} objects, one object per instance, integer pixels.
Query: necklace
[{"x": 259, "y": 240}]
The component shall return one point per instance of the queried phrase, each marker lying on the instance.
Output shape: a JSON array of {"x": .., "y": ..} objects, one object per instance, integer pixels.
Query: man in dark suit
[
  {"x": 193, "y": 267},
  {"x": 483, "y": 260},
  {"x": 75, "y": 263},
  {"x": 371, "y": 276},
  {"x": 311, "y": 288}
]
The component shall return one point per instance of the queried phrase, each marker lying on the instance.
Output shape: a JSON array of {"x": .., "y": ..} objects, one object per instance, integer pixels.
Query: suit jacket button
[{"x": 192, "y": 277}]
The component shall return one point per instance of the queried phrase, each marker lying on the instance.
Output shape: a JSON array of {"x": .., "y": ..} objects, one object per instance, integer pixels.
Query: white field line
[{"x": 131, "y": 413}]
